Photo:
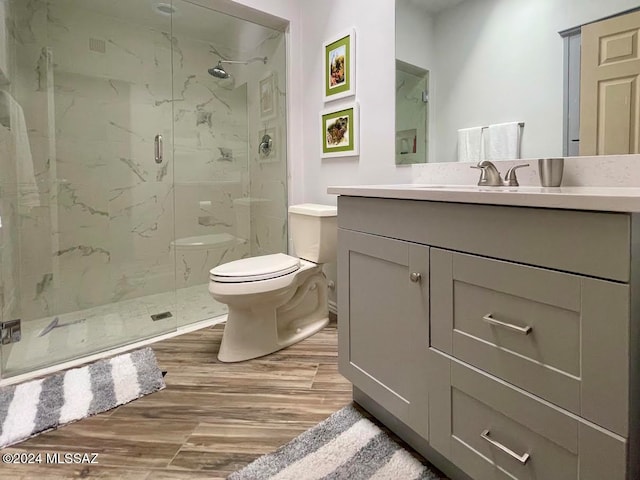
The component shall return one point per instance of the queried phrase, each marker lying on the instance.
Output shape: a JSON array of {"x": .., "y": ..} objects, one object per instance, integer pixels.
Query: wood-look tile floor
[{"x": 212, "y": 419}]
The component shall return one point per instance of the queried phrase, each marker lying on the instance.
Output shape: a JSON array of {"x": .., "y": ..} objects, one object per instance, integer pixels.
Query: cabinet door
[{"x": 383, "y": 323}]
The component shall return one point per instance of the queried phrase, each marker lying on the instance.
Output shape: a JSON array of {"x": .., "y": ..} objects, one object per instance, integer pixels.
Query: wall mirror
[{"x": 476, "y": 63}]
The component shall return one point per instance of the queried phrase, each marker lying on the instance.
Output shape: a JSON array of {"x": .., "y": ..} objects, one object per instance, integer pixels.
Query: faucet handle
[
  {"x": 489, "y": 174},
  {"x": 510, "y": 177},
  {"x": 485, "y": 164}
]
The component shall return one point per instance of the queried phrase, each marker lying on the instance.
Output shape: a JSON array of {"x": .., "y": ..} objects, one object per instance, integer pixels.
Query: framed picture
[
  {"x": 340, "y": 66},
  {"x": 340, "y": 131},
  {"x": 268, "y": 97}
]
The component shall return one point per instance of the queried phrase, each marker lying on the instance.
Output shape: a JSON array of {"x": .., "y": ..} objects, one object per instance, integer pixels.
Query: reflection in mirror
[
  {"x": 526, "y": 62},
  {"x": 412, "y": 113}
]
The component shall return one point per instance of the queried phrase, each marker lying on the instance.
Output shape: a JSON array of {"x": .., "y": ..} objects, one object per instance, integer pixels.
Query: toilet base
[
  {"x": 255, "y": 330},
  {"x": 233, "y": 352}
]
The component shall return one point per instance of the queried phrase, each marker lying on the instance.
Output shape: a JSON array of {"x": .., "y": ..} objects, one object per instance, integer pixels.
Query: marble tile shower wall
[
  {"x": 105, "y": 232},
  {"x": 268, "y": 174},
  {"x": 211, "y": 158}
]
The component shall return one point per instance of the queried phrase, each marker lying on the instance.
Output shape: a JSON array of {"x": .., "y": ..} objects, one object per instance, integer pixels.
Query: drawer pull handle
[
  {"x": 523, "y": 459},
  {"x": 415, "y": 277},
  {"x": 523, "y": 330}
]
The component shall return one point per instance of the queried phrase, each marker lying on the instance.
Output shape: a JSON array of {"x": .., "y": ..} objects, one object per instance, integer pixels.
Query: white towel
[
  {"x": 502, "y": 141},
  {"x": 27, "y": 186},
  {"x": 470, "y": 144}
]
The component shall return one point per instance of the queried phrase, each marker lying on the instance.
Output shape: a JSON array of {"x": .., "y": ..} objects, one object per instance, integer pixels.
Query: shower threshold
[{"x": 63, "y": 341}]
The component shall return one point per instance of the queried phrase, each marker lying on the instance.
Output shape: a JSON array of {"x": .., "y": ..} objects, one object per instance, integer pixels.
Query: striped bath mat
[
  {"x": 345, "y": 446},
  {"x": 33, "y": 407}
]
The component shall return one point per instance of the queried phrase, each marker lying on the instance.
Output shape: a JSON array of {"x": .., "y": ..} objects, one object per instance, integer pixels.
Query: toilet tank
[{"x": 314, "y": 231}]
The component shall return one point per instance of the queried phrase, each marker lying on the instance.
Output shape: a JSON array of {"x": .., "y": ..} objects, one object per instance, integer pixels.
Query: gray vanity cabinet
[
  {"x": 384, "y": 322},
  {"x": 507, "y": 338}
]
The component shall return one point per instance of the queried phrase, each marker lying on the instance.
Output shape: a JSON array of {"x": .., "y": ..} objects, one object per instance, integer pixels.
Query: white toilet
[{"x": 277, "y": 300}]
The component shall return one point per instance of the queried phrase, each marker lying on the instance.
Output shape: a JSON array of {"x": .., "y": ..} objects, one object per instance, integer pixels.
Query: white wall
[
  {"x": 375, "y": 87},
  {"x": 579, "y": 12},
  {"x": 415, "y": 41}
]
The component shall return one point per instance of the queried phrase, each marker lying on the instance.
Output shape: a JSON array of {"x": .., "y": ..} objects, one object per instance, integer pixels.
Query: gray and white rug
[
  {"x": 345, "y": 446},
  {"x": 36, "y": 406}
]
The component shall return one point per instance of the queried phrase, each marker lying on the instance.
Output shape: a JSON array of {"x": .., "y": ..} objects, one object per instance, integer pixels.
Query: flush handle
[{"x": 158, "y": 148}]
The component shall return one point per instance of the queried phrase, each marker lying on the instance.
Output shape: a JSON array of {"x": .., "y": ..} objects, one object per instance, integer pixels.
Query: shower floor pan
[{"x": 60, "y": 338}]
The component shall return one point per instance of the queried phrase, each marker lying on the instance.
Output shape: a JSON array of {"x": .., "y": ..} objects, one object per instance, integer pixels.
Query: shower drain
[{"x": 161, "y": 316}]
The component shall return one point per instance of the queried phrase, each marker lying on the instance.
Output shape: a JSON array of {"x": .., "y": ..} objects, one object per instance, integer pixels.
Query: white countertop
[{"x": 608, "y": 199}]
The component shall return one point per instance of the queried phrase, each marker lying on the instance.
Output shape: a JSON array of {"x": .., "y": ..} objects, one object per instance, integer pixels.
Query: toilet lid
[{"x": 255, "y": 268}]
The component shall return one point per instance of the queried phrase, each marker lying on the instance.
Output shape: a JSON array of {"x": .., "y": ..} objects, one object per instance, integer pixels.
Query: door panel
[{"x": 610, "y": 106}]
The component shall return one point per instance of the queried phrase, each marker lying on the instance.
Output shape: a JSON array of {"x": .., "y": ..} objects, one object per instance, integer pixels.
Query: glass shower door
[
  {"x": 95, "y": 209},
  {"x": 231, "y": 197}
]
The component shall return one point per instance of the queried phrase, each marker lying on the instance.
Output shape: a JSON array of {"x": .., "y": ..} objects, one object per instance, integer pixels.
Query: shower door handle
[{"x": 158, "y": 148}]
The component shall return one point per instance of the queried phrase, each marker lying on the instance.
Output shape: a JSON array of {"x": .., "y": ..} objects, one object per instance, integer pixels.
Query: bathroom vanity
[{"x": 497, "y": 331}]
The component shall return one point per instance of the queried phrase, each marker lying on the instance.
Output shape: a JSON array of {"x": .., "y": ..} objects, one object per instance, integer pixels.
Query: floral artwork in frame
[
  {"x": 340, "y": 66},
  {"x": 340, "y": 131}
]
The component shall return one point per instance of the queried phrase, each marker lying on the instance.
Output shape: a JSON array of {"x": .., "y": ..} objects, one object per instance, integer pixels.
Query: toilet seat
[{"x": 254, "y": 269}]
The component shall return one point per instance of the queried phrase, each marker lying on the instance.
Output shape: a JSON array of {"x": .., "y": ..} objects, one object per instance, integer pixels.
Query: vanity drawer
[
  {"x": 494, "y": 431},
  {"x": 567, "y": 240},
  {"x": 557, "y": 335}
]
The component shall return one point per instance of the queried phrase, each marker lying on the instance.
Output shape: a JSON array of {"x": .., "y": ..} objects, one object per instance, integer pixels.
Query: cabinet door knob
[{"x": 415, "y": 277}]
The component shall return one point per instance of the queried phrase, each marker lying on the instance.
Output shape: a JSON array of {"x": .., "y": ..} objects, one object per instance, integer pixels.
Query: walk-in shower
[{"x": 100, "y": 245}]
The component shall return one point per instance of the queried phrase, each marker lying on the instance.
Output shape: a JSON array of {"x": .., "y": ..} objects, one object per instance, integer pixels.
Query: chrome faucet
[{"x": 490, "y": 176}]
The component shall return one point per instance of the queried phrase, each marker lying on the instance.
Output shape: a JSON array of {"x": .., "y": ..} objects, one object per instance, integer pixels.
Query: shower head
[{"x": 218, "y": 71}]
